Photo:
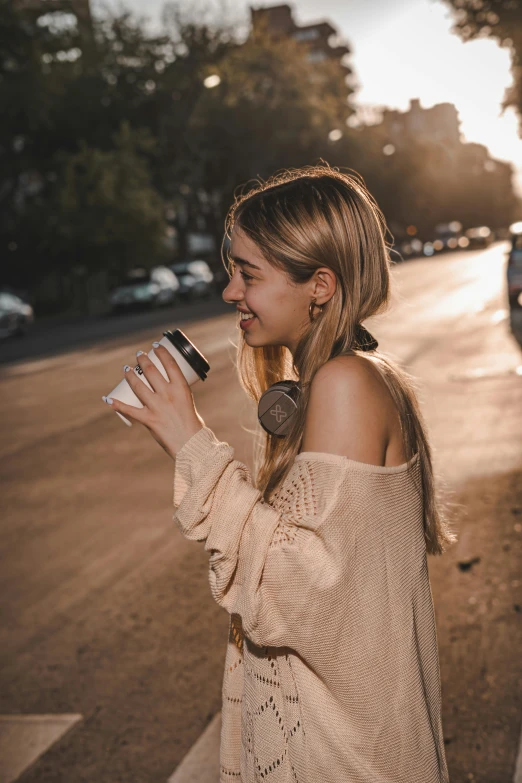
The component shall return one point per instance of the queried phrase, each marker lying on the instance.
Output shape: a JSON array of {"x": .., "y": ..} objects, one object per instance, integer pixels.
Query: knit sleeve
[{"x": 275, "y": 565}]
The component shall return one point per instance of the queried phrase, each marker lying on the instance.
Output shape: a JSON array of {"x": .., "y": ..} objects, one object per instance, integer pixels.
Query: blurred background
[
  {"x": 123, "y": 136},
  {"x": 126, "y": 129}
]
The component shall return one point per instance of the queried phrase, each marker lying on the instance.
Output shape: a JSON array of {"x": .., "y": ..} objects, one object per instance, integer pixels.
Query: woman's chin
[{"x": 251, "y": 339}]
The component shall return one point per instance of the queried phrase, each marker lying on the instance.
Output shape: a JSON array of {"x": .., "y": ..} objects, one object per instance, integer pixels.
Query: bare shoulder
[{"x": 348, "y": 411}]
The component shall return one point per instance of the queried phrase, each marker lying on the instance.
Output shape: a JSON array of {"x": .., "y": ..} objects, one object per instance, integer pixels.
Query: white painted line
[
  {"x": 24, "y": 738},
  {"x": 518, "y": 765},
  {"x": 201, "y": 764}
]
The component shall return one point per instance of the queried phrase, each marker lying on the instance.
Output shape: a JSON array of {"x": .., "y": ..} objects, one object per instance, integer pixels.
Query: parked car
[
  {"x": 16, "y": 316},
  {"x": 480, "y": 236},
  {"x": 195, "y": 278},
  {"x": 143, "y": 288},
  {"x": 447, "y": 236},
  {"x": 514, "y": 268}
]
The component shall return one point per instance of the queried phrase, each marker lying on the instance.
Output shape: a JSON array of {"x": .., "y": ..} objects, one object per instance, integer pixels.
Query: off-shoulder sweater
[{"x": 331, "y": 668}]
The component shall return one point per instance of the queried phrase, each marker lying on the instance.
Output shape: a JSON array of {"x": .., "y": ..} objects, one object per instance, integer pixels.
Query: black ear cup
[{"x": 276, "y": 407}]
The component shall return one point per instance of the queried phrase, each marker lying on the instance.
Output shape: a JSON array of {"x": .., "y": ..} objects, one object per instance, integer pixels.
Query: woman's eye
[{"x": 243, "y": 274}]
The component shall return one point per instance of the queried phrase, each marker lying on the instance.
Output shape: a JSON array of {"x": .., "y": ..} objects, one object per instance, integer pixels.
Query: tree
[
  {"x": 75, "y": 158},
  {"x": 103, "y": 211},
  {"x": 502, "y": 21},
  {"x": 270, "y": 107},
  {"x": 27, "y": 96}
]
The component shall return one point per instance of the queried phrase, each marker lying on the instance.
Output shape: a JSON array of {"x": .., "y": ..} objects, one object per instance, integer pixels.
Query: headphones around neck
[{"x": 278, "y": 404}]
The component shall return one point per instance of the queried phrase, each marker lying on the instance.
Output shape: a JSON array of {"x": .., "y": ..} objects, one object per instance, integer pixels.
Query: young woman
[{"x": 332, "y": 670}]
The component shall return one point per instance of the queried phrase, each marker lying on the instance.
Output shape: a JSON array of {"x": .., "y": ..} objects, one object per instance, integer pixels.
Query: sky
[{"x": 403, "y": 49}]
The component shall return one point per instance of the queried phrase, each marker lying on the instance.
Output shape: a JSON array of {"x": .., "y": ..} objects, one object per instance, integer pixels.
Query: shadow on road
[{"x": 52, "y": 337}]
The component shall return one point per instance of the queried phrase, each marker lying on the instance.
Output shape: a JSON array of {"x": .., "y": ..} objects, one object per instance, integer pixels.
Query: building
[
  {"x": 440, "y": 123},
  {"x": 278, "y": 21}
]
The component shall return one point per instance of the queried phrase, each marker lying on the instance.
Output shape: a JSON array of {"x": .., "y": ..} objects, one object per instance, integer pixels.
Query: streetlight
[
  {"x": 212, "y": 81},
  {"x": 335, "y": 134}
]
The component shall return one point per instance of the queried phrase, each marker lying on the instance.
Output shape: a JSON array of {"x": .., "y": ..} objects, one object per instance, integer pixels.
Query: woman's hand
[{"x": 168, "y": 412}]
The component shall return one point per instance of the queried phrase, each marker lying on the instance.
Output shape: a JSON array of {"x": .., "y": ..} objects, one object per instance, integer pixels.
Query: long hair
[{"x": 303, "y": 219}]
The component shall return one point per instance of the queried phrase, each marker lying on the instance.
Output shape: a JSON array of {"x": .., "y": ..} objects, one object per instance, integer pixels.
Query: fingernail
[
  {"x": 138, "y": 353},
  {"x": 155, "y": 345},
  {"x": 108, "y": 400},
  {"x": 126, "y": 368}
]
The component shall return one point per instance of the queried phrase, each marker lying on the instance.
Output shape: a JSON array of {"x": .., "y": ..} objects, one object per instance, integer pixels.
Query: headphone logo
[{"x": 279, "y": 413}]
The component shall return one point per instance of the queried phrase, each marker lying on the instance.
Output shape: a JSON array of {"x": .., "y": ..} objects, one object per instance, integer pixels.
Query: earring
[{"x": 310, "y": 308}]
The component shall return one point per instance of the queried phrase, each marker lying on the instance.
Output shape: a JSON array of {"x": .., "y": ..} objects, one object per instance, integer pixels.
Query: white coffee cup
[{"x": 191, "y": 362}]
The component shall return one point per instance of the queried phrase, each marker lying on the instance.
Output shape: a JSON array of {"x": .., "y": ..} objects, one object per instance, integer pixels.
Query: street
[{"x": 106, "y": 608}]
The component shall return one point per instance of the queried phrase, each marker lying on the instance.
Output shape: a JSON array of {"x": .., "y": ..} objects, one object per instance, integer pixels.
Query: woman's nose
[{"x": 232, "y": 293}]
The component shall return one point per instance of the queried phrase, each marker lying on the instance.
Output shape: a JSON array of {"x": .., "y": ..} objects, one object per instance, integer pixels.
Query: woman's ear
[{"x": 324, "y": 284}]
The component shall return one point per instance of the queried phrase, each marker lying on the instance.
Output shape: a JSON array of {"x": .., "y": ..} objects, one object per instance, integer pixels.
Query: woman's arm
[{"x": 275, "y": 569}]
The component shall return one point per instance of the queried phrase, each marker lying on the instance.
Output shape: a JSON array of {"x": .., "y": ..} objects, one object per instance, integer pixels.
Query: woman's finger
[
  {"x": 130, "y": 411},
  {"x": 139, "y": 387},
  {"x": 171, "y": 366},
  {"x": 150, "y": 371}
]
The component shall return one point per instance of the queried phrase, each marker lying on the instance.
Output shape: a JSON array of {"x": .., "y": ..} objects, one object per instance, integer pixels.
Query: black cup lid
[{"x": 189, "y": 352}]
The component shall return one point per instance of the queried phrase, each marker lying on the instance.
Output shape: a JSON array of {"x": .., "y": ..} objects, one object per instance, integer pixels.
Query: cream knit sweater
[{"x": 332, "y": 670}]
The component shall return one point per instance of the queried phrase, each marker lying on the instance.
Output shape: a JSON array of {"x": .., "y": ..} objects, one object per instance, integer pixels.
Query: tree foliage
[
  {"x": 104, "y": 212},
  {"x": 502, "y": 21},
  {"x": 105, "y": 138},
  {"x": 270, "y": 109}
]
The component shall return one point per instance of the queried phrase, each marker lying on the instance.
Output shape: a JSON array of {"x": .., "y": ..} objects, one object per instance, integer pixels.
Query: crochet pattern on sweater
[{"x": 331, "y": 667}]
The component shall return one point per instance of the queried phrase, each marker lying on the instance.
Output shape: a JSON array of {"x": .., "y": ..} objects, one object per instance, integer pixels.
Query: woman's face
[{"x": 280, "y": 307}]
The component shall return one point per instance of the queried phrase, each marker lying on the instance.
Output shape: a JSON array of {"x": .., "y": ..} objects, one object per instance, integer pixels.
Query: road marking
[
  {"x": 202, "y": 761},
  {"x": 24, "y": 738},
  {"x": 518, "y": 766}
]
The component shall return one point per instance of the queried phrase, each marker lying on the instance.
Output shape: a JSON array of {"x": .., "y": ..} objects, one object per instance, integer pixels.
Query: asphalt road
[{"x": 106, "y": 609}]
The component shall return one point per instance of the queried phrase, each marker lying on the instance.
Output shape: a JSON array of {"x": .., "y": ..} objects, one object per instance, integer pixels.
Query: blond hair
[{"x": 303, "y": 219}]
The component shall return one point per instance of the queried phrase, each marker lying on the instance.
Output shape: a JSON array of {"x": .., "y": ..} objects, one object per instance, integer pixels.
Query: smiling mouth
[{"x": 244, "y": 323}]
